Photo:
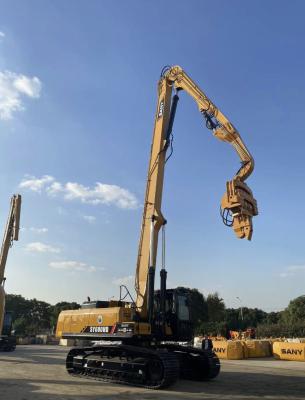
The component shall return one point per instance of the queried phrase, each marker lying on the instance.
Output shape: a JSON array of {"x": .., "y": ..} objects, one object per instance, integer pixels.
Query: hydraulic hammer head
[{"x": 239, "y": 202}]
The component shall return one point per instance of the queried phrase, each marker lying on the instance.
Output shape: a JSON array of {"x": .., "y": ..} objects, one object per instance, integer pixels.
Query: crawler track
[
  {"x": 129, "y": 365},
  {"x": 151, "y": 368}
]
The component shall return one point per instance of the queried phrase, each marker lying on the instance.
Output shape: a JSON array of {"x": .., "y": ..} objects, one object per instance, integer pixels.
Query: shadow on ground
[
  {"x": 230, "y": 385},
  {"x": 35, "y": 355}
]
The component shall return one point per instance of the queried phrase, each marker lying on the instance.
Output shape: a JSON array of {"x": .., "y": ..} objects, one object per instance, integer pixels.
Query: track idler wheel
[{"x": 199, "y": 367}]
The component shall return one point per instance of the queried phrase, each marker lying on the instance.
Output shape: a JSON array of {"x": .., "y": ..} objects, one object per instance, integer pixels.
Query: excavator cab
[
  {"x": 177, "y": 316},
  {"x": 7, "y": 340},
  {"x": 7, "y": 324}
]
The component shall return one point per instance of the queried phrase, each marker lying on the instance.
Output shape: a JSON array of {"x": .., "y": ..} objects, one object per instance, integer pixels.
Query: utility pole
[{"x": 241, "y": 309}]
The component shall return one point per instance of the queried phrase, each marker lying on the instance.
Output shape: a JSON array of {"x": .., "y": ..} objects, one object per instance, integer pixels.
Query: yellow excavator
[
  {"x": 7, "y": 340},
  {"x": 145, "y": 332}
]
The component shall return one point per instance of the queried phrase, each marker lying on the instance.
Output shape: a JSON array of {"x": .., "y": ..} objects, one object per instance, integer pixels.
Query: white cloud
[
  {"x": 36, "y": 184},
  {"x": 285, "y": 274},
  {"x": 2, "y": 34},
  {"x": 12, "y": 87},
  {"x": 73, "y": 266},
  {"x": 89, "y": 218},
  {"x": 125, "y": 280},
  {"x": 35, "y": 230},
  {"x": 39, "y": 230},
  {"x": 292, "y": 270},
  {"x": 101, "y": 193},
  {"x": 296, "y": 268},
  {"x": 38, "y": 247},
  {"x": 28, "y": 86},
  {"x": 54, "y": 189}
]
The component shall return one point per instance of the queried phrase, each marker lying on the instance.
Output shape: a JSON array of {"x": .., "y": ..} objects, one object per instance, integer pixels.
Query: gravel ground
[{"x": 38, "y": 373}]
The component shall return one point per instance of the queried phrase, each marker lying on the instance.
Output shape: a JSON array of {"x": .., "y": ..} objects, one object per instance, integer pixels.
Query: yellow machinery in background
[
  {"x": 149, "y": 328},
  {"x": 7, "y": 341},
  {"x": 242, "y": 335}
]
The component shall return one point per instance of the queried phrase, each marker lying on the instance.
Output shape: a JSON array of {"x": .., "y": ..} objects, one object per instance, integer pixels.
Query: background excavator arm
[{"x": 11, "y": 233}]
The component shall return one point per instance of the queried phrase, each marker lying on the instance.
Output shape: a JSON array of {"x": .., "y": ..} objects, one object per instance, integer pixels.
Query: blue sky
[{"x": 77, "y": 102}]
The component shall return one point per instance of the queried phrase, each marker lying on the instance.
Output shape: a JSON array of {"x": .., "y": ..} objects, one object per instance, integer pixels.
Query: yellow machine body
[{"x": 93, "y": 323}]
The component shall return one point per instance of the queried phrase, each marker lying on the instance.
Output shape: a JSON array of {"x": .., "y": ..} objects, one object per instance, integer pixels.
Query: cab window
[{"x": 183, "y": 310}]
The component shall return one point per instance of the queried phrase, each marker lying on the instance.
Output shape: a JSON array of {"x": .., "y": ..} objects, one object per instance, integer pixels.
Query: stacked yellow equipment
[{"x": 289, "y": 351}]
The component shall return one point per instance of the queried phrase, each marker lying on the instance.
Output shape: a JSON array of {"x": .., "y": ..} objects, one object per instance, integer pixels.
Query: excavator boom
[
  {"x": 11, "y": 233},
  {"x": 237, "y": 202}
]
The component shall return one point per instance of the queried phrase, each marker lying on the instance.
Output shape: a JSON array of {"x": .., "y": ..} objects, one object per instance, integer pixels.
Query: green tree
[
  {"x": 272, "y": 318},
  {"x": 17, "y": 305},
  {"x": 36, "y": 320},
  {"x": 252, "y": 317},
  {"x": 40, "y": 313},
  {"x": 295, "y": 312},
  {"x": 31, "y": 317},
  {"x": 233, "y": 319},
  {"x": 281, "y": 330},
  {"x": 20, "y": 326},
  {"x": 198, "y": 307},
  {"x": 216, "y": 308}
]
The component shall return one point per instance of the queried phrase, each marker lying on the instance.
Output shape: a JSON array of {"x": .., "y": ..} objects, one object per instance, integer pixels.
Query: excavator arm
[
  {"x": 238, "y": 199},
  {"x": 237, "y": 203},
  {"x": 11, "y": 233}
]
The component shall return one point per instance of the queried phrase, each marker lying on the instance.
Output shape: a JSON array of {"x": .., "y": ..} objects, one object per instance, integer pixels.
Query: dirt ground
[{"x": 38, "y": 373}]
